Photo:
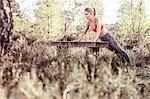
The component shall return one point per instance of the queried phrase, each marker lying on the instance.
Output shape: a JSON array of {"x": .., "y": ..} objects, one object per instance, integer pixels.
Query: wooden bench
[
  {"x": 79, "y": 44},
  {"x": 94, "y": 46}
]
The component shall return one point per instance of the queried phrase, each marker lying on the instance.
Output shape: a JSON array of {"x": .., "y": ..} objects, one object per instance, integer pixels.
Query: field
[{"x": 34, "y": 70}]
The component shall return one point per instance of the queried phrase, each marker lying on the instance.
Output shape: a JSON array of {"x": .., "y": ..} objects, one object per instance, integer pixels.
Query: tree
[
  {"x": 6, "y": 25},
  {"x": 132, "y": 19},
  {"x": 48, "y": 16},
  {"x": 22, "y": 22}
]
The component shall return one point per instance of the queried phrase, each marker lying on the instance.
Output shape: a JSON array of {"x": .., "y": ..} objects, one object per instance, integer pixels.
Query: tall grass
[{"x": 38, "y": 71}]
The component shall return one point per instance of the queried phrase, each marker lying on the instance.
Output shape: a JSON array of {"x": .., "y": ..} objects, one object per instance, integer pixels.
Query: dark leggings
[{"x": 113, "y": 46}]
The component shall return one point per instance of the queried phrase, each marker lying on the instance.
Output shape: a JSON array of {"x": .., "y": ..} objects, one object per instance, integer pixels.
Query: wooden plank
[{"x": 78, "y": 44}]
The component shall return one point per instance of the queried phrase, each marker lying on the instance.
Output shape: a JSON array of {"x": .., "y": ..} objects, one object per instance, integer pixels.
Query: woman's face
[{"x": 88, "y": 15}]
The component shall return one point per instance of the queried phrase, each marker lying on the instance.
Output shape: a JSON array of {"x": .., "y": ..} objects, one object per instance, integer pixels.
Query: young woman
[{"x": 101, "y": 33}]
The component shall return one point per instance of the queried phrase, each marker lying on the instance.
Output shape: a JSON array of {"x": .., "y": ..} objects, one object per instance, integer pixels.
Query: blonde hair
[{"x": 89, "y": 9}]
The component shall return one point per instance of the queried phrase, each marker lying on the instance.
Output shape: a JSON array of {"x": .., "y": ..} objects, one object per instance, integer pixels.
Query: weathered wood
[{"x": 78, "y": 44}]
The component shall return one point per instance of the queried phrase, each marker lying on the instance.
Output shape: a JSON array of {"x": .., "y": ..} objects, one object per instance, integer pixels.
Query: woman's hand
[{"x": 95, "y": 40}]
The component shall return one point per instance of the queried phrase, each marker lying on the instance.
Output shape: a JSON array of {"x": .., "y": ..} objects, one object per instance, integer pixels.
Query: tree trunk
[{"x": 6, "y": 25}]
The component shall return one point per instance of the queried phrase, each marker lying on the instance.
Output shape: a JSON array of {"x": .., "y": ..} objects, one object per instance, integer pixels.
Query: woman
[{"x": 98, "y": 27}]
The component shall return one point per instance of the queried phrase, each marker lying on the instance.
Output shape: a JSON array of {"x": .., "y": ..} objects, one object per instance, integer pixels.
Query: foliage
[
  {"x": 15, "y": 7},
  {"x": 48, "y": 16},
  {"x": 132, "y": 19},
  {"x": 22, "y": 22}
]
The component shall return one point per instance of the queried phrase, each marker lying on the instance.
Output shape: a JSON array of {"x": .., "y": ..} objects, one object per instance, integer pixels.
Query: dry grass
[{"x": 37, "y": 71}]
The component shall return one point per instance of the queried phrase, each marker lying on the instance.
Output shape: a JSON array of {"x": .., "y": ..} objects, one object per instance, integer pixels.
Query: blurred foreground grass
[{"x": 37, "y": 71}]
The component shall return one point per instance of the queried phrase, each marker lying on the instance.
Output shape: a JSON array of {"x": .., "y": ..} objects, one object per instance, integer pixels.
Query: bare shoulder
[{"x": 87, "y": 23}]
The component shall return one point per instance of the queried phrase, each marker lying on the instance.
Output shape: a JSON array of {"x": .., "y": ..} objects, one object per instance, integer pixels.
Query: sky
[
  {"x": 110, "y": 9},
  {"x": 28, "y": 7}
]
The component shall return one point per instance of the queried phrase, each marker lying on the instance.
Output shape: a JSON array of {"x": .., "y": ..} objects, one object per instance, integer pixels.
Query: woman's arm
[
  {"x": 85, "y": 30},
  {"x": 98, "y": 30}
]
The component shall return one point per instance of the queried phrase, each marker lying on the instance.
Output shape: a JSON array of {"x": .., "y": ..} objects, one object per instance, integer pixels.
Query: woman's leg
[{"x": 113, "y": 46}]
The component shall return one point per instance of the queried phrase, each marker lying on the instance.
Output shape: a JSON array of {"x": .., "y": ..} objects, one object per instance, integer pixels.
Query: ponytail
[{"x": 94, "y": 11}]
